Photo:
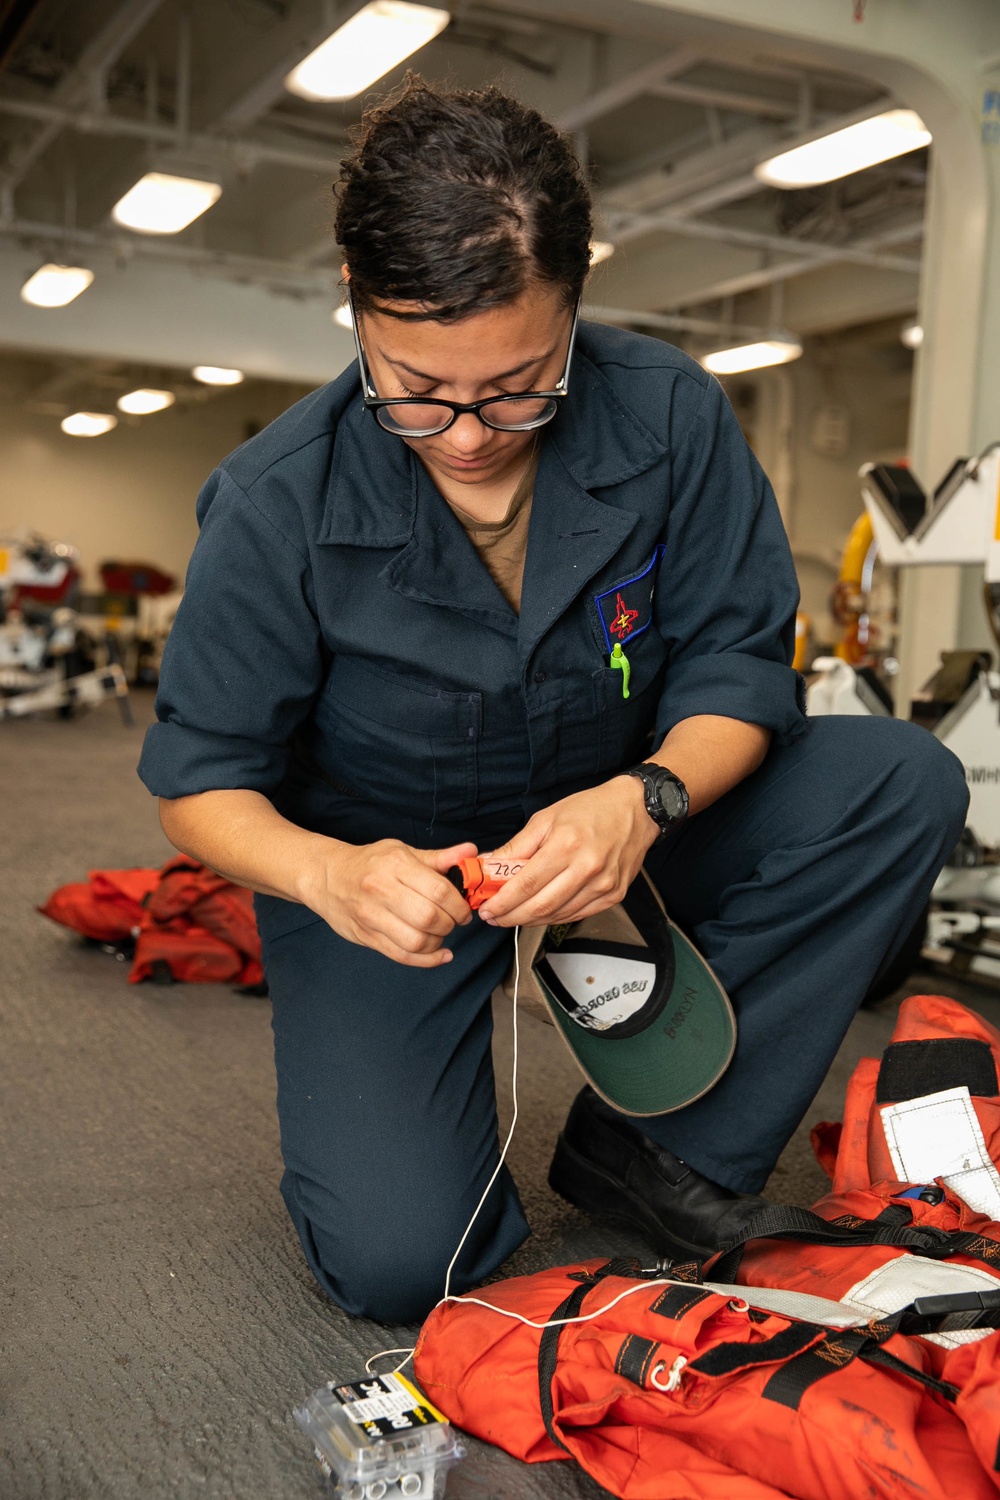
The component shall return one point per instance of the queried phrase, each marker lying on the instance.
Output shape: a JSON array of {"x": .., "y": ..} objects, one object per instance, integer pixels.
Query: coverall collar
[
  {"x": 372, "y": 494},
  {"x": 380, "y": 496}
]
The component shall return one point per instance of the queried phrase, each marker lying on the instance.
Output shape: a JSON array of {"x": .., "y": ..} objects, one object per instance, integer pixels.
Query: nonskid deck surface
[{"x": 159, "y": 1322}]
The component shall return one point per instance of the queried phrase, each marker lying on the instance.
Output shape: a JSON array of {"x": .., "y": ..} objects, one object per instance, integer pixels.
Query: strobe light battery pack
[{"x": 379, "y": 1438}]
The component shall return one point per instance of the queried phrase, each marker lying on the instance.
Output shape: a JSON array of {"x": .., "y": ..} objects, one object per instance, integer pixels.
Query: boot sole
[{"x": 595, "y": 1192}]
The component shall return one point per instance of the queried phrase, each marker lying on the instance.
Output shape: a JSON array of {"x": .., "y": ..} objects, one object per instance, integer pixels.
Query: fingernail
[
  {"x": 488, "y": 918},
  {"x": 447, "y": 956}
]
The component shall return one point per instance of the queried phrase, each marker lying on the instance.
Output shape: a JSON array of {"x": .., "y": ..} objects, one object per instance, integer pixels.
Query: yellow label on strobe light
[
  {"x": 996, "y": 524},
  {"x": 419, "y": 1399}
]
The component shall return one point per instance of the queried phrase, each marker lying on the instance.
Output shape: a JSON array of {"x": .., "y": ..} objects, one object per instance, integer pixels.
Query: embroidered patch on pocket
[{"x": 627, "y": 609}]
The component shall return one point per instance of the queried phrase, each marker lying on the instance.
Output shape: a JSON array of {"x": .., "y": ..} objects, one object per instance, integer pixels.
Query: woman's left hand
[{"x": 579, "y": 857}]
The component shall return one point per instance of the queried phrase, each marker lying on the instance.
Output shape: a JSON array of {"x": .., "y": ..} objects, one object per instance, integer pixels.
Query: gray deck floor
[{"x": 158, "y": 1321}]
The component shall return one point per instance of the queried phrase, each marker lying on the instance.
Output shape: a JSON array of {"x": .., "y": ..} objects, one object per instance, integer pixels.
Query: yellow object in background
[
  {"x": 803, "y": 625},
  {"x": 852, "y": 563},
  {"x": 848, "y": 603}
]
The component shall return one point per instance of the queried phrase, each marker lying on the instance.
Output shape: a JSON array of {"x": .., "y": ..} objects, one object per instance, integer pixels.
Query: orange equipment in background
[{"x": 849, "y": 598}]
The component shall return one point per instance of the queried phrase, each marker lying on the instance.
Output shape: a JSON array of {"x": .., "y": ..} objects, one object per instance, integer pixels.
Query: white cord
[
  {"x": 504, "y": 1312},
  {"x": 486, "y": 1191},
  {"x": 510, "y": 1134}
]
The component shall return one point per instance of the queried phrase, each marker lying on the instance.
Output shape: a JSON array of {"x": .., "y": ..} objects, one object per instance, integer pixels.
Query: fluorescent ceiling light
[
  {"x": 162, "y": 204},
  {"x": 342, "y": 316},
  {"x": 844, "y": 151},
  {"x": 375, "y": 40},
  {"x": 55, "y": 286},
  {"x": 777, "y": 351},
  {"x": 600, "y": 250},
  {"x": 143, "y": 401},
  {"x": 88, "y": 423},
  {"x": 912, "y": 335},
  {"x": 217, "y": 375}
]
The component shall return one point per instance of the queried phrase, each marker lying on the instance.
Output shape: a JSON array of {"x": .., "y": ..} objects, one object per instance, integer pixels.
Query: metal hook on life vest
[{"x": 674, "y": 1377}]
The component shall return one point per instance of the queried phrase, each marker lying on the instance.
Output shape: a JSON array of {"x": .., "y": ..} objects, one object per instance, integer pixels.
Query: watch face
[{"x": 672, "y": 799}]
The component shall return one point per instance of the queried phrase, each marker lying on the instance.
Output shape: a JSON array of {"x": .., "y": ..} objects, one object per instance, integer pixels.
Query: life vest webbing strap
[
  {"x": 548, "y": 1346},
  {"x": 893, "y": 1227},
  {"x": 548, "y": 1356},
  {"x": 878, "y": 1356},
  {"x": 726, "y": 1359},
  {"x": 790, "y": 1382},
  {"x": 677, "y": 1300},
  {"x": 635, "y": 1358}
]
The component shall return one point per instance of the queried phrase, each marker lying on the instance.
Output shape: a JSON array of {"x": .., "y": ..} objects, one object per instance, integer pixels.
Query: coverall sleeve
[
  {"x": 244, "y": 660},
  {"x": 728, "y": 593}
]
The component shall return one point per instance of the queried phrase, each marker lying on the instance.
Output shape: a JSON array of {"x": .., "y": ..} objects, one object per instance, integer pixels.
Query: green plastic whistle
[{"x": 620, "y": 661}]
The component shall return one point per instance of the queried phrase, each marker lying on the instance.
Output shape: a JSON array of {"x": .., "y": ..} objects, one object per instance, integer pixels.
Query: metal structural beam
[
  {"x": 858, "y": 254},
  {"x": 626, "y": 89},
  {"x": 670, "y": 322},
  {"x": 300, "y": 281},
  {"x": 747, "y": 104},
  {"x": 769, "y": 275},
  {"x": 245, "y": 151},
  {"x": 99, "y": 54}
]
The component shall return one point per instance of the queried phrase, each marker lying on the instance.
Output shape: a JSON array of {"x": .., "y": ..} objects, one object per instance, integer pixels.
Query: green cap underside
[{"x": 677, "y": 1058}]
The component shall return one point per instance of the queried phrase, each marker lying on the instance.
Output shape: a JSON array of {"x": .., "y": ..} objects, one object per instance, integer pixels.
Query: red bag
[
  {"x": 108, "y": 907},
  {"x": 683, "y": 1393},
  {"x": 194, "y": 922},
  {"x": 192, "y": 955}
]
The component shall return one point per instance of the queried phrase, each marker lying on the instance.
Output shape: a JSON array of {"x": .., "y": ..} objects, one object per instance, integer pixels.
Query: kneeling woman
[{"x": 396, "y": 648}]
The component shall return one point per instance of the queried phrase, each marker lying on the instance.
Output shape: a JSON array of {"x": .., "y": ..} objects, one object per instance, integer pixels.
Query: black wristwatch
[{"x": 665, "y": 795}]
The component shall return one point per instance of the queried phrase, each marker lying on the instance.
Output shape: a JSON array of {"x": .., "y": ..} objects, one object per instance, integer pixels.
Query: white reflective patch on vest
[
  {"x": 606, "y": 989},
  {"x": 899, "y": 1281},
  {"x": 939, "y": 1135}
]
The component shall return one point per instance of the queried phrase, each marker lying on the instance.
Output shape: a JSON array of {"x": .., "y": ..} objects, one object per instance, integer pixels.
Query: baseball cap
[{"x": 645, "y": 1018}]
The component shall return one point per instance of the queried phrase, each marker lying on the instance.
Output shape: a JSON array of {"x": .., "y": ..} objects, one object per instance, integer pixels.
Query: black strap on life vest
[
  {"x": 570, "y": 1307},
  {"x": 804, "y": 1352},
  {"x": 894, "y": 1226}
]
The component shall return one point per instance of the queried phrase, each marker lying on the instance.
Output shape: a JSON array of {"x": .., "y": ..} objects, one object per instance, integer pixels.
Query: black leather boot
[{"x": 611, "y": 1170}]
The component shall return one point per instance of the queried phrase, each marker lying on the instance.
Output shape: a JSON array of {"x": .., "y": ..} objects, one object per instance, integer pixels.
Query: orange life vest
[
  {"x": 761, "y": 1398},
  {"x": 680, "y": 1392}
]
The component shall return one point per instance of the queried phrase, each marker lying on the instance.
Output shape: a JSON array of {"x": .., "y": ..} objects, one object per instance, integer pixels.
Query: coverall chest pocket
[{"x": 397, "y": 740}]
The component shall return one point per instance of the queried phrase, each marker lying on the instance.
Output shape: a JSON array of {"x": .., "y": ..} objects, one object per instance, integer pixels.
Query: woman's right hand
[{"x": 392, "y": 898}]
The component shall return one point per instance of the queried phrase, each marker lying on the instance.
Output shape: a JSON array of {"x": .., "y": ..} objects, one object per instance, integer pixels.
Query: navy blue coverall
[{"x": 342, "y": 650}]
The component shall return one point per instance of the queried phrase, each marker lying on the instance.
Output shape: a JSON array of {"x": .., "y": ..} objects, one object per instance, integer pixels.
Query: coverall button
[{"x": 540, "y": 676}]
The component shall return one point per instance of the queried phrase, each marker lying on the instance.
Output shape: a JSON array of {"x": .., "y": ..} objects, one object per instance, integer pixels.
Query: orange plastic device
[{"x": 478, "y": 879}]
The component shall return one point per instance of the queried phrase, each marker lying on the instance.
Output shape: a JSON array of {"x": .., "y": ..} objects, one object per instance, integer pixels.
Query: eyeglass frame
[{"x": 374, "y": 402}]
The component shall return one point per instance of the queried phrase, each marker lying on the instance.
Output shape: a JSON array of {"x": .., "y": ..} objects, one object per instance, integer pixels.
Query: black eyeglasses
[{"x": 424, "y": 416}]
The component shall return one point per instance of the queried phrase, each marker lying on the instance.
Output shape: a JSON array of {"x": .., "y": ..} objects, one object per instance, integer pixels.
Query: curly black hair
[{"x": 457, "y": 201}]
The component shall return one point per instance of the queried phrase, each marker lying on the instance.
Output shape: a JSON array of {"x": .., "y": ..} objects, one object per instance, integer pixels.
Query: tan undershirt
[{"x": 502, "y": 545}]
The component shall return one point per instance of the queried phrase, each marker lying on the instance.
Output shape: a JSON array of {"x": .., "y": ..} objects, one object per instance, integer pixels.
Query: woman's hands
[
  {"x": 580, "y": 857},
  {"x": 392, "y": 898}
]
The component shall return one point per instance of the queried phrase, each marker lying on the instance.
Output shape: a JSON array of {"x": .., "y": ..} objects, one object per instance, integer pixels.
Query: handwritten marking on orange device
[{"x": 480, "y": 878}]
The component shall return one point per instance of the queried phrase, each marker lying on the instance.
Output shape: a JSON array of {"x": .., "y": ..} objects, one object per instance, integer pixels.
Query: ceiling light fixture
[
  {"x": 55, "y": 286},
  {"x": 911, "y": 334},
  {"x": 375, "y": 40},
  {"x": 879, "y": 138},
  {"x": 88, "y": 423},
  {"x": 600, "y": 250},
  {"x": 758, "y": 356},
  {"x": 342, "y": 316},
  {"x": 145, "y": 400},
  {"x": 217, "y": 375},
  {"x": 162, "y": 204}
]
